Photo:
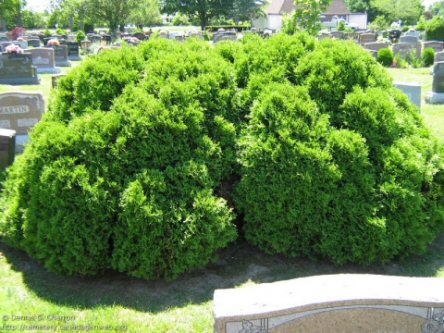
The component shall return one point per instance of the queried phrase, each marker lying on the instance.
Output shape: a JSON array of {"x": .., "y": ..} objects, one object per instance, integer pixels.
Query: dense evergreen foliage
[{"x": 146, "y": 154}]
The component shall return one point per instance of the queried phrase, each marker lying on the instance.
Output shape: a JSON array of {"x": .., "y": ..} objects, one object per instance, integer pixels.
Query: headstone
[
  {"x": 21, "y": 111},
  {"x": 55, "y": 79},
  {"x": 409, "y": 40},
  {"x": 163, "y": 34},
  {"x": 224, "y": 35},
  {"x": 3, "y": 38},
  {"x": 17, "y": 69},
  {"x": 71, "y": 38},
  {"x": 4, "y": 45},
  {"x": 61, "y": 55},
  {"x": 139, "y": 35},
  {"x": 436, "y": 45},
  {"x": 376, "y": 46},
  {"x": 86, "y": 44},
  {"x": 365, "y": 38},
  {"x": 44, "y": 60},
  {"x": 413, "y": 33},
  {"x": 106, "y": 40},
  {"x": 34, "y": 42},
  {"x": 405, "y": 49},
  {"x": 338, "y": 34},
  {"x": 22, "y": 43},
  {"x": 333, "y": 303},
  {"x": 73, "y": 51},
  {"x": 7, "y": 147},
  {"x": 412, "y": 90},
  {"x": 437, "y": 94},
  {"x": 439, "y": 56},
  {"x": 373, "y": 53}
]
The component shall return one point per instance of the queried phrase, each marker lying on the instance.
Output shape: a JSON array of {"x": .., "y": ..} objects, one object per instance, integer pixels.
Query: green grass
[
  {"x": 433, "y": 114},
  {"x": 183, "y": 305}
]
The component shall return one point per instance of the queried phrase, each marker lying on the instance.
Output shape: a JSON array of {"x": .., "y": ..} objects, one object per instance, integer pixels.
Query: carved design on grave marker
[
  {"x": 249, "y": 327},
  {"x": 435, "y": 321}
]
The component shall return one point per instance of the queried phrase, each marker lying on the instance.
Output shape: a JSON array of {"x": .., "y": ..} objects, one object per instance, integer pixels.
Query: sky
[{"x": 41, "y": 5}]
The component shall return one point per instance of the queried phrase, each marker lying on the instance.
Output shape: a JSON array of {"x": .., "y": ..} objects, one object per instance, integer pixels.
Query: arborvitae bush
[
  {"x": 385, "y": 57},
  {"x": 428, "y": 57},
  {"x": 128, "y": 179},
  {"x": 146, "y": 153}
]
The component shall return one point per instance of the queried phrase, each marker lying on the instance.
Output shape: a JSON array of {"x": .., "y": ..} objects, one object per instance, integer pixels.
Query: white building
[{"x": 338, "y": 8}]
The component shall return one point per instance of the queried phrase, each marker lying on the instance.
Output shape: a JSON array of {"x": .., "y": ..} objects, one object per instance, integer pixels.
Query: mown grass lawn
[{"x": 33, "y": 298}]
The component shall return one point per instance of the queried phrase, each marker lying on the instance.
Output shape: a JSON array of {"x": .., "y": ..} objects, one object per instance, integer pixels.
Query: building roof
[{"x": 280, "y": 7}]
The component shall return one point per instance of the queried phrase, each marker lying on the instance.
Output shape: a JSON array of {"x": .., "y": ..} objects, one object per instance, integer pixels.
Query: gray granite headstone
[
  {"x": 61, "y": 56},
  {"x": 412, "y": 90},
  {"x": 44, "y": 60},
  {"x": 413, "y": 33},
  {"x": 338, "y": 34},
  {"x": 21, "y": 43},
  {"x": 439, "y": 56},
  {"x": 436, "y": 45},
  {"x": 347, "y": 303},
  {"x": 4, "y": 45},
  {"x": 405, "y": 49},
  {"x": 365, "y": 38},
  {"x": 17, "y": 69},
  {"x": 20, "y": 111},
  {"x": 437, "y": 94},
  {"x": 376, "y": 46},
  {"x": 409, "y": 40}
]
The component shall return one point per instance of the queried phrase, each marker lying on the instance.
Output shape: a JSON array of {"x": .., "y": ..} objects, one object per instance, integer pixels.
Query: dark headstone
[
  {"x": 73, "y": 51},
  {"x": 17, "y": 69},
  {"x": 436, "y": 96},
  {"x": 61, "y": 55},
  {"x": 7, "y": 147},
  {"x": 34, "y": 42},
  {"x": 438, "y": 77},
  {"x": 139, "y": 35}
]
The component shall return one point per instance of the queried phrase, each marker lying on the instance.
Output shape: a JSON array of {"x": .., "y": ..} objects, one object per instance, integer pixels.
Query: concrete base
[
  {"x": 434, "y": 98},
  {"x": 20, "y": 80},
  {"x": 75, "y": 58},
  {"x": 49, "y": 70},
  {"x": 63, "y": 63}
]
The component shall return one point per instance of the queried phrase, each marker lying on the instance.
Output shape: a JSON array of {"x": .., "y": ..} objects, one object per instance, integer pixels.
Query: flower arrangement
[
  {"x": 53, "y": 42},
  {"x": 18, "y": 32},
  {"x": 13, "y": 49}
]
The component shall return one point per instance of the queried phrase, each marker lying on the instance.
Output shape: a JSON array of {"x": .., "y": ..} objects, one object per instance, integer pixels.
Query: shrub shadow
[{"x": 237, "y": 265}]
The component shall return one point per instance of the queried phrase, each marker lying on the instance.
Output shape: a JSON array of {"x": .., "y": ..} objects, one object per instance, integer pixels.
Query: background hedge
[{"x": 147, "y": 154}]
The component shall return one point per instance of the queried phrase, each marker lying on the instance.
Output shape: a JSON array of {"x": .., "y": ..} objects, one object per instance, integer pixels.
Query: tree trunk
[
  {"x": 71, "y": 22},
  {"x": 3, "y": 23},
  {"x": 19, "y": 14}
]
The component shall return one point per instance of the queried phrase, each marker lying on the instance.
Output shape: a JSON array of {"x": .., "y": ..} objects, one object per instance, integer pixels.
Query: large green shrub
[
  {"x": 146, "y": 152},
  {"x": 128, "y": 179},
  {"x": 435, "y": 28},
  {"x": 428, "y": 57},
  {"x": 385, "y": 57}
]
